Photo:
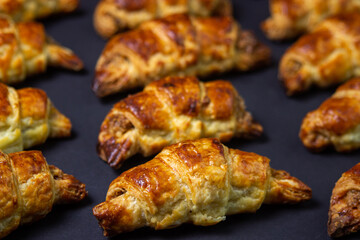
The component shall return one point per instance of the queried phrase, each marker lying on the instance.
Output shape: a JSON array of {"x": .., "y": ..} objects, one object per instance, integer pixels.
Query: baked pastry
[
  {"x": 327, "y": 56},
  {"x": 28, "y": 118},
  {"x": 172, "y": 110},
  {"x": 27, "y": 10},
  {"x": 194, "y": 181},
  {"x": 336, "y": 122},
  {"x": 26, "y": 50},
  {"x": 112, "y": 16},
  {"x": 176, "y": 45},
  {"x": 29, "y": 188},
  {"x": 290, "y": 18},
  {"x": 344, "y": 213}
]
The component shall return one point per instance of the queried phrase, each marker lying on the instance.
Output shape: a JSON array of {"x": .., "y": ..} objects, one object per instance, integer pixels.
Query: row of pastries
[{"x": 162, "y": 46}]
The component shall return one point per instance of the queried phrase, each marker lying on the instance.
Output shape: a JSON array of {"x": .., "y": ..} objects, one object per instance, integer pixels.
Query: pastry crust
[
  {"x": 28, "y": 118},
  {"x": 290, "y": 18},
  {"x": 336, "y": 122},
  {"x": 197, "y": 181},
  {"x": 344, "y": 213},
  {"x": 113, "y": 16},
  {"x": 176, "y": 45},
  {"x": 27, "y": 10},
  {"x": 29, "y": 188},
  {"x": 172, "y": 110},
  {"x": 26, "y": 50},
  {"x": 327, "y": 56}
]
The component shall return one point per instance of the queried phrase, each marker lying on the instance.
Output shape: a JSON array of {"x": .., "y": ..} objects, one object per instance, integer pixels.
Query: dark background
[{"x": 280, "y": 116}]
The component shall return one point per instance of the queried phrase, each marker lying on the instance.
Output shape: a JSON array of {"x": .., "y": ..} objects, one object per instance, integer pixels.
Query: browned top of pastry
[
  {"x": 33, "y": 103},
  {"x": 32, "y": 34},
  {"x": 344, "y": 213},
  {"x": 5, "y": 106}
]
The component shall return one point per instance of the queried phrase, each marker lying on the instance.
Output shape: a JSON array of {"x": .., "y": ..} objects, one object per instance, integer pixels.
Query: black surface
[{"x": 281, "y": 117}]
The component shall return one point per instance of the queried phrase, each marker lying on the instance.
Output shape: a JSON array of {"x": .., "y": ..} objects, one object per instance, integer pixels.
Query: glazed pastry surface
[
  {"x": 27, "y": 10},
  {"x": 113, "y": 16},
  {"x": 26, "y": 50},
  {"x": 327, "y": 56},
  {"x": 176, "y": 45},
  {"x": 172, "y": 110},
  {"x": 197, "y": 181},
  {"x": 29, "y": 188},
  {"x": 336, "y": 123},
  {"x": 28, "y": 118},
  {"x": 344, "y": 212},
  {"x": 290, "y": 18}
]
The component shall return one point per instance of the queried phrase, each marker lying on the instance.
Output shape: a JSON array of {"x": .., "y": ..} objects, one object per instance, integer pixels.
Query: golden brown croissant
[
  {"x": 176, "y": 45},
  {"x": 194, "y": 181},
  {"x": 327, "y": 56},
  {"x": 26, "y": 50},
  {"x": 112, "y": 16},
  {"x": 27, "y": 10},
  {"x": 344, "y": 212},
  {"x": 29, "y": 188},
  {"x": 28, "y": 118},
  {"x": 336, "y": 122},
  {"x": 290, "y": 18},
  {"x": 172, "y": 110}
]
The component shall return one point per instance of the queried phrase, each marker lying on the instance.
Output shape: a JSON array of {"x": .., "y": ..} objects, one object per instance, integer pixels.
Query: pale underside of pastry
[
  {"x": 327, "y": 56},
  {"x": 344, "y": 212},
  {"x": 112, "y": 16},
  {"x": 26, "y": 50},
  {"x": 291, "y": 18},
  {"x": 336, "y": 123},
  {"x": 195, "y": 182},
  {"x": 27, "y": 10},
  {"x": 177, "y": 45},
  {"x": 29, "y": 187},
  {"x": 171, "y": 110},
  {"x": 28, "y": 118}
]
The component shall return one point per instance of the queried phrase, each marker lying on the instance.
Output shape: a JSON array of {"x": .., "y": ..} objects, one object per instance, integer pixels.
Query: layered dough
[
  {"x": 327, "y": 56},
  {"x": 26, "y": 50},
  {"x": 28, "y": 118},
  {"x": 336, "y": 123},
  {"x": 197, "y": 181},
  {"x": 112, "y": 16},
  {"x": 176, "y": 45},
  {"x": 27, "y": 10},
  {"x": 290, "y": 18},
  {"x": 171, "y": 110},
  {"x": 29, "y": 188}
]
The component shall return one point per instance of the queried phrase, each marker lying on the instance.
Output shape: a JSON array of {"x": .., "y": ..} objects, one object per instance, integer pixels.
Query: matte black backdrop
[{"x": 281, "y": 117}]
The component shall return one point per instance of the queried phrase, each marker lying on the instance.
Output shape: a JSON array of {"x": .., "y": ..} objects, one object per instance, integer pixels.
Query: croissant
[
  {"x": 112, "y": 16},
  {"x": 344, "y": 213},
  {"x": 28, "y": 118},
  {"x": 336, "y": 122},
  {"x": 194, "y": 181},
  {"x": 176, "y": 45},
  {"x": 171, "y": 110},
  {"x": 29, "y": 188},
  {"x": 27, "y": 10},
  {"x": 290, "y": 18},
  {"x": 325, "y": 57},
  {"x": 26, "y": 50}
]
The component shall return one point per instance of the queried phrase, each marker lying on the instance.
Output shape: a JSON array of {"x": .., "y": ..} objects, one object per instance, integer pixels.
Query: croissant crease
[
  {"x": 344, "y": 212},
  {"x": 26, "y": 50},
  {"x": 327, "y": 56},
  {"x": 112, "y": 16},
  {"x": 336, "y": 122},
  {"x": 27, "y": 10},
  {"x": 194, "y": 181},
  {"x": 290, "y": 18},
  {"x": 176, "y": 45},
  {"x": 29, "y": 188},
  {"x": 171, "y": 110},
  {"x": 28, "y": 118}
]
